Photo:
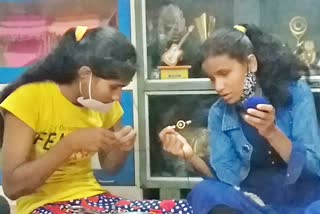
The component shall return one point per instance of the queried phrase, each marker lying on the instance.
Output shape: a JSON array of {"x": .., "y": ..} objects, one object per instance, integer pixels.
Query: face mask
[
  {"x": 250, "y": 82},
  {"x": 92, "y": 103}
]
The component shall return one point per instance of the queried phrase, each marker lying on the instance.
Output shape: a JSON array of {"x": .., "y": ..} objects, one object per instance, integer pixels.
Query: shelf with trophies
[
  {"x": 299, "y": 28},
  {"x": 174, "y": 36},
  {"x": 172, "y": 85}
]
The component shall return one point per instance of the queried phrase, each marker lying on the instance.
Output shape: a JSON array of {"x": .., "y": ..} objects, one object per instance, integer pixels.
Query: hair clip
[
  {"x": 240, "y": 28},
  {"x": 80, "y": 32}
]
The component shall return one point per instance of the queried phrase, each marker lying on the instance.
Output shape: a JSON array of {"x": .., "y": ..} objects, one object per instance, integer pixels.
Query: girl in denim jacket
[{"x": 264, "y": 159}]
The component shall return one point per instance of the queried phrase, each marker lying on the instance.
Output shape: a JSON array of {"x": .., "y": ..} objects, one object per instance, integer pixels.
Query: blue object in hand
[{"x": 252, "y": 102}]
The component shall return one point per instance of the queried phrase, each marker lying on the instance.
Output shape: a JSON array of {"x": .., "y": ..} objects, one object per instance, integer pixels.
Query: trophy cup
[
  {"x": 298, "y": 26},
  {"x": 205, "y": 25}
]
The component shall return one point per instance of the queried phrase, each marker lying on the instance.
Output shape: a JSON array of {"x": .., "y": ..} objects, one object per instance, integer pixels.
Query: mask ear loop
[
  {"x": 253, "y": 68},
  {"x": 80, "y": 88},
  {"x": 90, "y": 80}
]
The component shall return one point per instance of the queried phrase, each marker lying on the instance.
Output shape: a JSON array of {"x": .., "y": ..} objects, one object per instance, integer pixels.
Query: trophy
[
  {"x": 174, "y": 53},
  {"x": 298, "y": 26},
  {"x": 309, "y": 53},
  {"x": 171, "y": 58},
  {"x": 305, "y": 49},
  {"x": 205, "y": 25}
]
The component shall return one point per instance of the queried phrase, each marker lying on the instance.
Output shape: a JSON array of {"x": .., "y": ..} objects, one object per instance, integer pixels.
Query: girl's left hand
[{"x": 262, "y": 119}]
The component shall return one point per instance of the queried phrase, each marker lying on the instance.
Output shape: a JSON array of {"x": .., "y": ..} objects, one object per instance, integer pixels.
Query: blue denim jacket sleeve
[
  {"x": 223, "y": 156},
  {"x": 305, "y": 138}
]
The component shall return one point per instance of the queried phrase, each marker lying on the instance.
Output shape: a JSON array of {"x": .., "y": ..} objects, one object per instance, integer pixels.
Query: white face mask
[{"x": 92, "y": 103}]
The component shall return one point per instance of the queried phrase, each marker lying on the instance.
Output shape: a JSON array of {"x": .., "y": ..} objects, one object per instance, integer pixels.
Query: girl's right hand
[
  {"x": 90, "y": 139},
  {"x": 175, "y": 144}
]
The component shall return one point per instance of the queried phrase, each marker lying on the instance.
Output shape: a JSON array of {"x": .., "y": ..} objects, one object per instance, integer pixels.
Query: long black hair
[
  {"x": 105, "y": 50},
  {"x": 277, "y": 65}
]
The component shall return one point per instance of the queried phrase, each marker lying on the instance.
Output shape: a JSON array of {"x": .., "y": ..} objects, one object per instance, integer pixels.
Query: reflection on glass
[
  {"x": 183, "y": 107},
  {"x": 317, "y": 104},
  {"x": 296, "y": 23},
  {"x": 168, "y": 110},
  {"x": 177, "y": 28},
  {"x": 205, "y": 25},
  {"x": 29, "y": 29}
]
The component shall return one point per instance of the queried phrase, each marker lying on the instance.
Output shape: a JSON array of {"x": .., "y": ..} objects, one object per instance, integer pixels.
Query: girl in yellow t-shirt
[{"x": 61, "y": 112}]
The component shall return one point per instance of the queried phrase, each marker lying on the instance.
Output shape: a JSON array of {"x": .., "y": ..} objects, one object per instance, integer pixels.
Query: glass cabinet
[{"x": 172, "y": 85}]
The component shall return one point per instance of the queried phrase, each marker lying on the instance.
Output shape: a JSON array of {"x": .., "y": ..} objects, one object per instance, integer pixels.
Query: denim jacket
[{"x": 231, "y": 152}]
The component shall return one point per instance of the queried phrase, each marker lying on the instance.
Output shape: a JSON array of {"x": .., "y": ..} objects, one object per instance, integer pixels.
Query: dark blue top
[
  {"x": 263, "y": 155},
  {"x": 268, "y": 172}
]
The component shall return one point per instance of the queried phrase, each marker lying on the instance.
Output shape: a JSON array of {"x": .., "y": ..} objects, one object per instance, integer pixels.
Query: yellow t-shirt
[{"x": 52, "y": 116}]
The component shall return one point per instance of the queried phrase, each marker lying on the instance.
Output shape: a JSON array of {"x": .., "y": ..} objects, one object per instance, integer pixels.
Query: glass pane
[
  {"x": 246, "y": 148},
  {"x": 175, "y": 31},
  {"x": 29, "y": 29},
  {"x": 165, "y": 110},
  {"x": 317, "y": 104},
  {"x": 297, "y": 23}
]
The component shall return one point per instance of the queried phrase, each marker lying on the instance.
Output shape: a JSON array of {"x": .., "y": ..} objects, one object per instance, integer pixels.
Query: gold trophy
[
  {"x": 309, "y": 53},
  {"x": 298, "y": 26},
  {"x": 205, "y": 25}
]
